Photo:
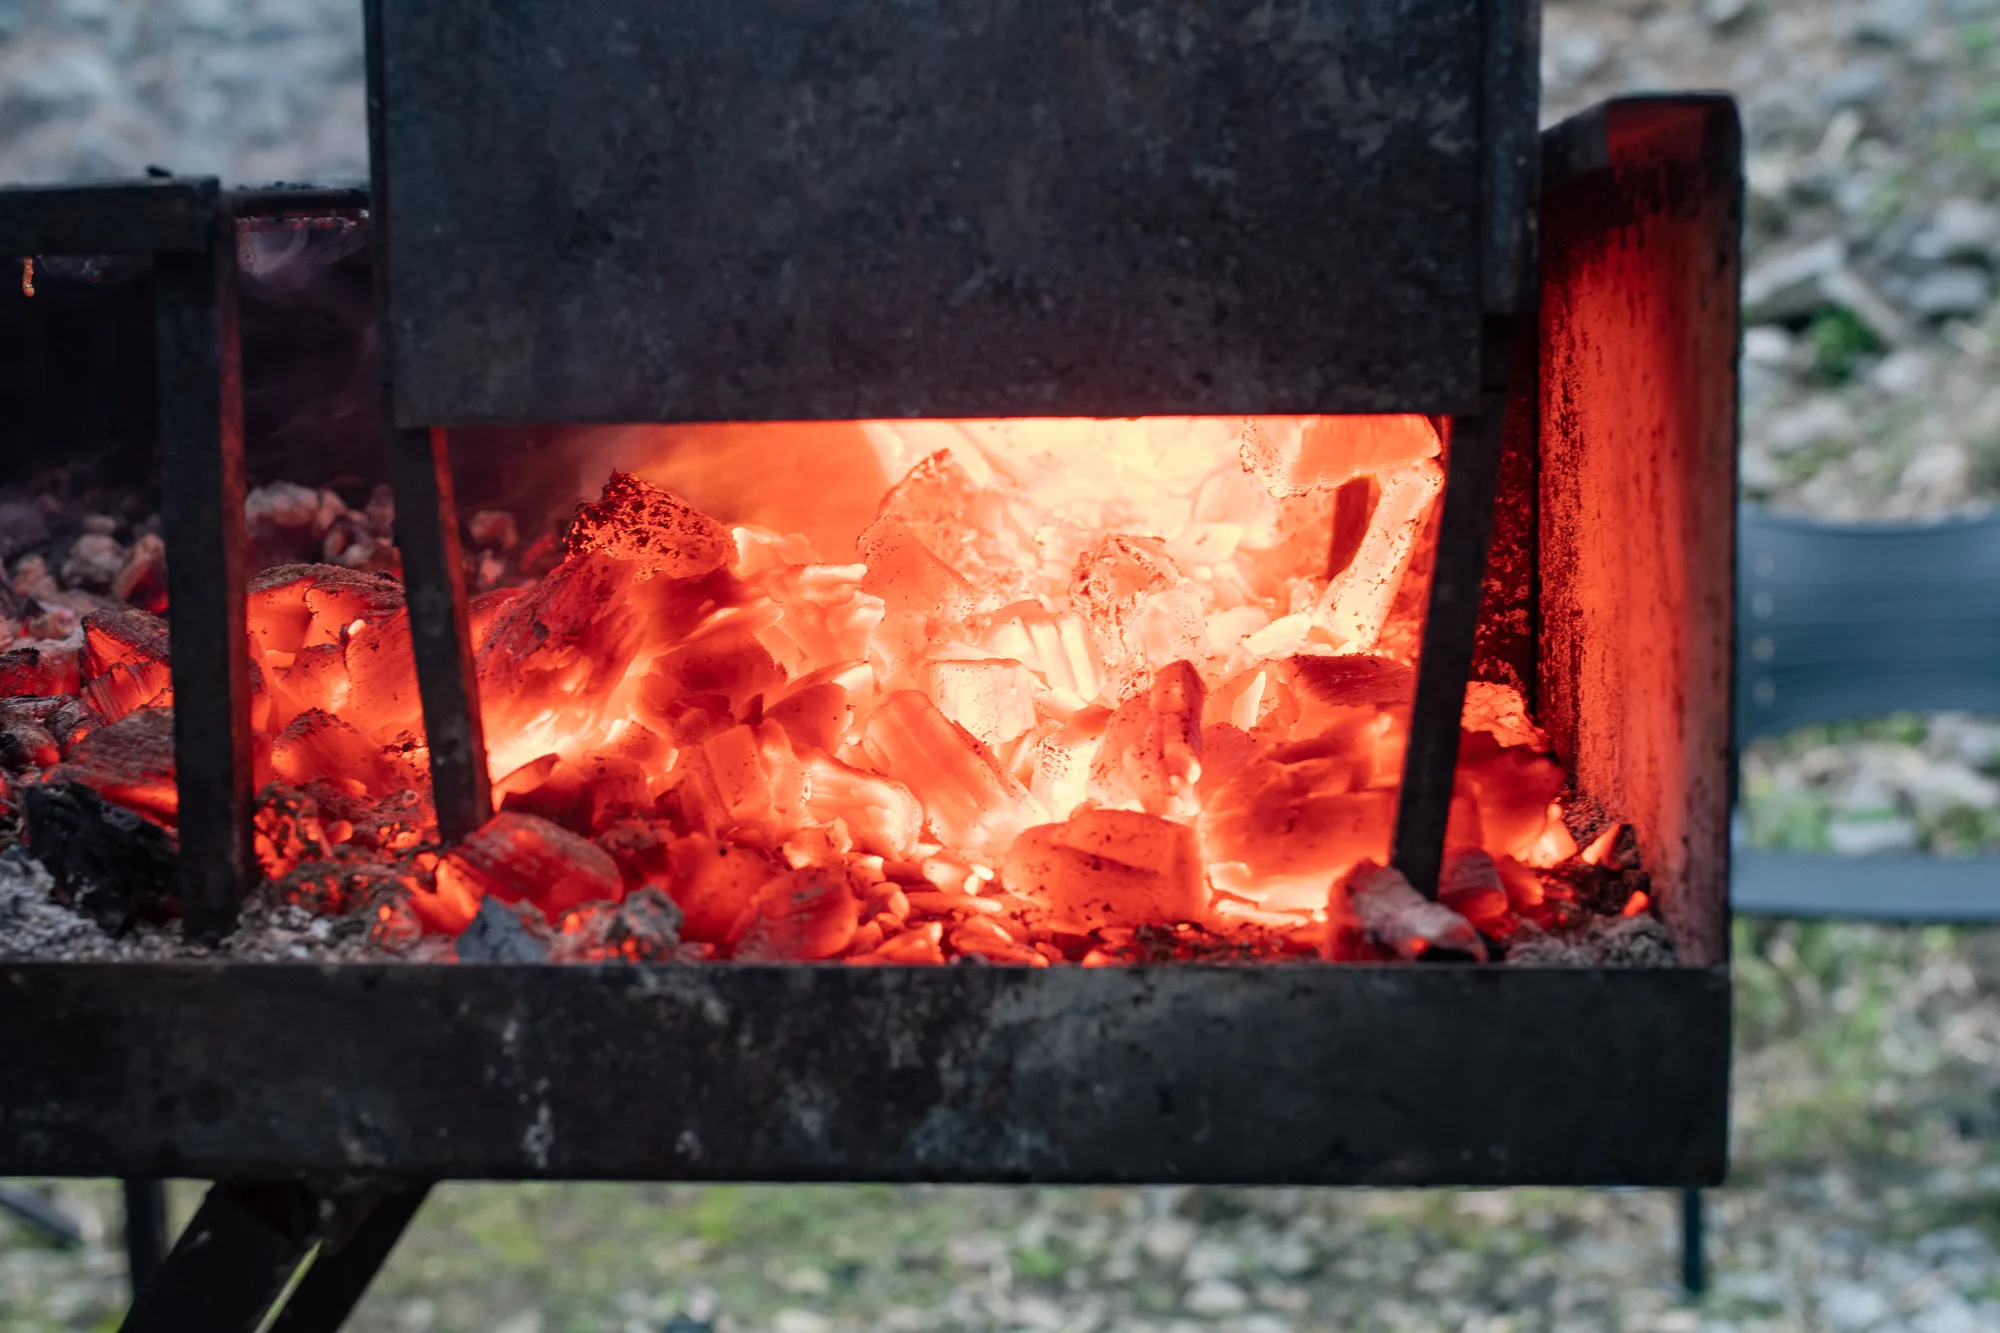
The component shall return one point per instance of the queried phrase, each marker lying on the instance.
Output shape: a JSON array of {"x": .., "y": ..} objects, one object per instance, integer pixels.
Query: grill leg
[
  {"x": 231, "y": 1263},
  {"x": 340, "y": 1276},
  {"x": 1694, "y": 1249},
  {"x": 145, "y": 1231}
]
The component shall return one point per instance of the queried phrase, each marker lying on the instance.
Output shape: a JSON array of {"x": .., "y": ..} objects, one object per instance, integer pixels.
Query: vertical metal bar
[
  {"x": 231, "y": 1264},
  {"x": 145, "y": 1231},
  {"x": 339, "y": 1277},
  {"x": 201, "y": 478},
  {"x": 440, "y": 634},
  {"x": 1694, "y": 1245},
  {"x": 426, "y": 531}
]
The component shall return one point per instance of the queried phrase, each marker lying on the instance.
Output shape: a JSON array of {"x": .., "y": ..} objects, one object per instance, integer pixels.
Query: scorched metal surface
[
  {"x": 790, "y": 209},
  {"x": 1261, "y": 1074}
]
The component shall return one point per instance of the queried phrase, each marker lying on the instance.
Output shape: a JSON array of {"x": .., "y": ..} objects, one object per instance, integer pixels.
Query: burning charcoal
[
  {"x": 1057, "y": 648},
  {"x": 882, "y": 815},
  {"x": 504, "y": 933},
  {"x": 1356, "y": 680},
  {"x": 1260, "y": 700},
  {"x": 1063, "y": 760},
  {"x": 1356, "y": 603},
  {"x": 94, "y": 562},
  {"x": 119, "y": 865},
  {"x": 288, "y": 831},
  {"x": 994, "y": 699},
  {"x": 988, "y": 939},
  {"x": 142, "y": 582},
  {"x": 584, "y": 796},
  {"x": 1515, "y": 790},
  {"x": 1502, "y": 713},
  {"x": 317, "y": 746},
  {"x": 721, "y": 656},
  {"x": 40, "y": 670},
  {"x": 1470, "y": 885},
  {"x": 744, "y": 783},
  {"x": 1138, "y": 605},
  {"x": 22, "y": 527},
  {"x": 971, "y": 802},
  {"x": 382, "y": 699},
  {"x": 1292, "y": 816},
  {"x": 1297, "y": 455},
  {"x": 805, "y": 914},
  {"x": 126, "y": 687},
  {"x": 517, "y": 857},
  {"x": 1381, "y": 905},
  {"x": 1151, "y": 753},
  {"x": 1108, "y": 868},
  {"x": 712, "y": 882},
  {"x": 908, "y": 577},
  {"x": 823, "y": 616},
  {"x": 971, "y": 527},
  {"x": 316, "y": 679},
  {"x": 131, "y": 762},
  {"x": 493, "y": 530},
  {"x": 486, "y": 608},
  {"x": 644, "y": 928},
  {"x": 823, "y": 710},
  {"x": 25, "y": 744},
  {"x": 114, "y": 637},
  {"x": 654, "y": 529}
]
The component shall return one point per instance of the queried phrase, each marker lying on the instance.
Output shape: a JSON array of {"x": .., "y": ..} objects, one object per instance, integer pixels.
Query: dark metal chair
[{"x": 1858, "y": 620}]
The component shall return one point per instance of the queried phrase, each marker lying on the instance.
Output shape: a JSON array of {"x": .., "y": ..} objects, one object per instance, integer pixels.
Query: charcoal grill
[{"x": 803, "y": 211}]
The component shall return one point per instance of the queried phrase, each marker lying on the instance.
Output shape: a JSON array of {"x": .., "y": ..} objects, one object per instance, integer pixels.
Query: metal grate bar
[{"x": 201, "y": 477}]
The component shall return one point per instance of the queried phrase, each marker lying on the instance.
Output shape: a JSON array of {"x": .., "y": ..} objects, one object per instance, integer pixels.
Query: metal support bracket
[{"x": 240, "y": 1255}]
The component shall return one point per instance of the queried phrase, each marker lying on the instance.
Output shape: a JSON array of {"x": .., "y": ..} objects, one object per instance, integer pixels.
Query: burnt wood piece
[
  {"x": 1351, "y": 1075},
  {"x": 440, "y": 634},
  {"x": 607, "y": 211},
  {"x": 1642, "y": 217},
  {"x": 233, "y": 1260},
  {"x": 201, "y": 481},
  {"x": 166, "y": 215},
  {"x": 116, "y": 865},
  {"x": 345, "y": 1265}
]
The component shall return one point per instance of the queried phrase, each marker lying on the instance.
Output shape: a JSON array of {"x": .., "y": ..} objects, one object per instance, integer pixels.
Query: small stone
[
  {"x": 1821, "y": 420},
  {"x": 1959, "y": 290},
  {"x": 1848, "y": 1306},
  {"x": 1216, "y": 1298},
  {"x": 800, "y": 1321},
  {"x": 1789, "y": 285},
  {"x": 1724, "y": 13},
  {"x": 1959, "y": 229}
]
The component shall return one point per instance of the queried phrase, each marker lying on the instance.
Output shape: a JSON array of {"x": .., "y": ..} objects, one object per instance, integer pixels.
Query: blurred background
[{"x": 1865, "y": 1191}]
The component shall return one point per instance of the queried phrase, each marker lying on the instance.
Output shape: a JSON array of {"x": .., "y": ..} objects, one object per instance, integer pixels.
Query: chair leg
[
  {"x": 1694, "y": 1252},
  {"x": 145, "y": 1231}
]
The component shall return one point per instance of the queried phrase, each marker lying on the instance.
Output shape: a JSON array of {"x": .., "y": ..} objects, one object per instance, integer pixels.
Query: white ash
[{"x": 1618, "y": 941}]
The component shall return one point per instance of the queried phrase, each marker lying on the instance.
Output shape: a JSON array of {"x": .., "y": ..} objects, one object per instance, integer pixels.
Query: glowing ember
[{"x": 1071, "y": 691}]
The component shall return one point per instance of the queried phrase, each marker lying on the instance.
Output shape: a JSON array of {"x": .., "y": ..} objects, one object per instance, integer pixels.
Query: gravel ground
[{"x": 1866, "y": 1187}]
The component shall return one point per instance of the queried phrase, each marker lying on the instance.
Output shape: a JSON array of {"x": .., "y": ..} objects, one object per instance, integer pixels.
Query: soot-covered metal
[{"x": 795, "y": 209}]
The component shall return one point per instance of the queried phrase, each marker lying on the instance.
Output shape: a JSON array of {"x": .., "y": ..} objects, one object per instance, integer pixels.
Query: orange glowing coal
[{"x": 897, "y": 692}]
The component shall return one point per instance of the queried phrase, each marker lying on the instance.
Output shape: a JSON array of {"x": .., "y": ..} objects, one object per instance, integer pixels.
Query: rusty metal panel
[
  {"x": 1642, "y": 217},
  {"x": 1278, "y": 1074},
  {"x": 801, "y": 209}
]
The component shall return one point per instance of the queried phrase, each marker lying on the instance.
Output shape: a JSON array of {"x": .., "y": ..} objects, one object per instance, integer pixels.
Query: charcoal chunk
[
  {"x": 498, "y": 934},
  {"x": 117, "y": 867}
]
